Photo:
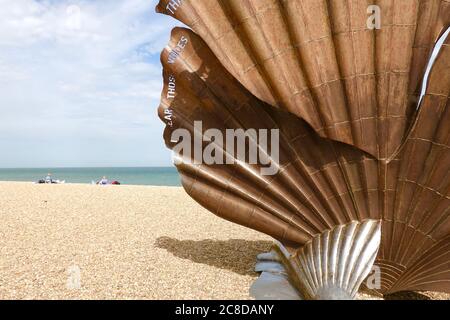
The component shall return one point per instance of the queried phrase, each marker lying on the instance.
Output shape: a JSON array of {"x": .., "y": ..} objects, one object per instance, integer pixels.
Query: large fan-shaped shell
[
  {"x": 333, "y": 265},
  {"x": 417, "y": 215},
  {"x": 320, "y": 183},
  {"x": 310, "y": 193},
  {"x": 320, "y": 60}
]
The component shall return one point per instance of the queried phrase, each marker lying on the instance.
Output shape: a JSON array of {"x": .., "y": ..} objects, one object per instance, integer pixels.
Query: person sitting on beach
[
  {"x": 48, "y": 178},
  {"x": 103, "y": 181}
]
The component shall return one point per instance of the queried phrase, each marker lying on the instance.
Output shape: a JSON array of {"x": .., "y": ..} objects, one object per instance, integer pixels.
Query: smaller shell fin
[{"x": 333, "y": 265}]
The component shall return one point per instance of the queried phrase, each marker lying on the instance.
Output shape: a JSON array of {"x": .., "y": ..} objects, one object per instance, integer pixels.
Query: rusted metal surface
[
  {"x": 320, "y": 60},
  {"x": 322, "y": 184},
  {"x": 415, "y": 252}
]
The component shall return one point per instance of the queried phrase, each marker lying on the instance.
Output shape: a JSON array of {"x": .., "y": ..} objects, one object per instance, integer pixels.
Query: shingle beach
[{"x": 123, "y": 242}]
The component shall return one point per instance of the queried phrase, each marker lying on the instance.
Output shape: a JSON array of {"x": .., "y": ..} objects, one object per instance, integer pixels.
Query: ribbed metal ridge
[
  {"x": 321, "y": 184},
  {"x": 335, "y": 263},
  {"x": 320, "y": 60}
]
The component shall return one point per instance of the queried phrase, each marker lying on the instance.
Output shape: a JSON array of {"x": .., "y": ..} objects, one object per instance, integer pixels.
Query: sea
[{"x": 154, "y": 176}]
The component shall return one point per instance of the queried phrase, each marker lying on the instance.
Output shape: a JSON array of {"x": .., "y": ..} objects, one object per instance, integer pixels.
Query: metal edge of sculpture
[{"x": 322, "y": 184}]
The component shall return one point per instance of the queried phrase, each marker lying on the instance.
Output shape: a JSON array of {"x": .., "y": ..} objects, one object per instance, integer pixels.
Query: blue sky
[{"x": 80, "y": 83}]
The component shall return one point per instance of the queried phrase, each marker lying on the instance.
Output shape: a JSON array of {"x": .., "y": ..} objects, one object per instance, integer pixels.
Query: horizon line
[{"x": 86, "y": 167}]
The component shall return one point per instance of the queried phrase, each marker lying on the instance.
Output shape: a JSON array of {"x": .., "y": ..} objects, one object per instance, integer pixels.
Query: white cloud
[{"x": 81, "y": 75}]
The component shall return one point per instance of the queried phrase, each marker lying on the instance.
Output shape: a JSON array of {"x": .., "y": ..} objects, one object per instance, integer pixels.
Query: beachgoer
[
  {"x": 48, "y": 178},
  {"x": 103, "y": 181}
]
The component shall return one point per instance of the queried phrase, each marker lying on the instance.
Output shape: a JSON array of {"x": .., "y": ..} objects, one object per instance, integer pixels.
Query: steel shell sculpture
[
  {"x": 332, "y": 266},
  {"x": 322, "y": 60},
  {"x": 321, "y": 184}
]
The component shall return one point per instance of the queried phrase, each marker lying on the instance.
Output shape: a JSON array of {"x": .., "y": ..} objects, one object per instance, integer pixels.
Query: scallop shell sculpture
[
  {"x": 326, "y": 61},
  {"x": 320, "y": 184},
  {"x": 415, "y": 252},
  {"x": 332, "y": 266}
]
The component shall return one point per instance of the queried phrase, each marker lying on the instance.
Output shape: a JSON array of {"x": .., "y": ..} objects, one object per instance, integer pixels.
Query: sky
[{"x": 80, "y": 83}]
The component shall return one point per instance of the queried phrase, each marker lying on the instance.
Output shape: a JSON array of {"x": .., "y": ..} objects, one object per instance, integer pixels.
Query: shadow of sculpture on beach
[{"x": 235, "y": 255}]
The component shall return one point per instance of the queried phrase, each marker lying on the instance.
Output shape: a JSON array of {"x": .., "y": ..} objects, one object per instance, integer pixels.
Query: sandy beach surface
[{"x": 125, "y": 242}]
